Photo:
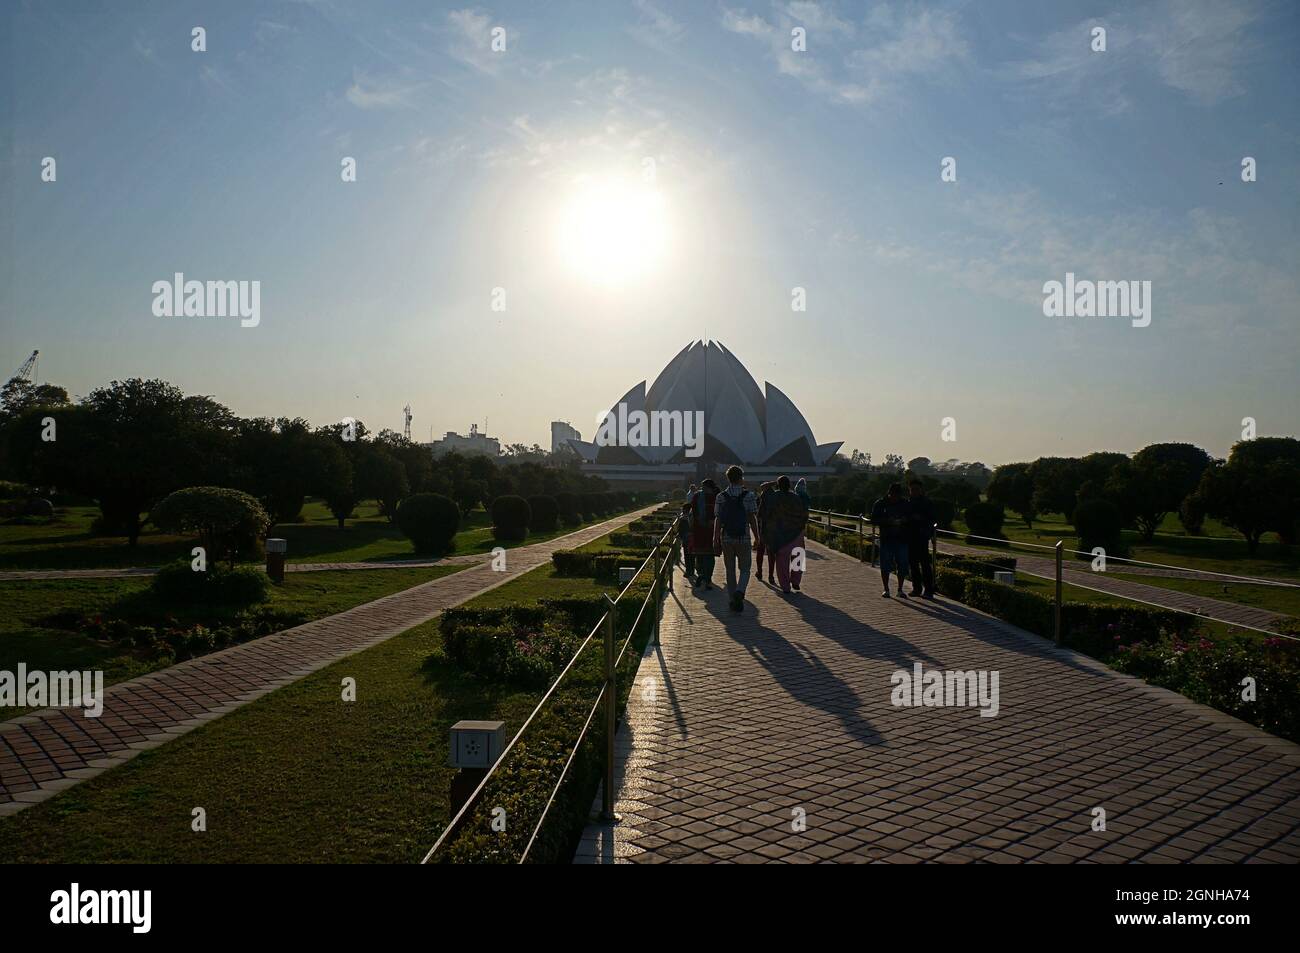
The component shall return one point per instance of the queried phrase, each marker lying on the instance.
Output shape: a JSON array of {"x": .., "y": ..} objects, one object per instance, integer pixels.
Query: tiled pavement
[
  {"x": 786, "y": 709},
  {"x": 50, "y": 750},
  {"x": 1045, "y": 566}
]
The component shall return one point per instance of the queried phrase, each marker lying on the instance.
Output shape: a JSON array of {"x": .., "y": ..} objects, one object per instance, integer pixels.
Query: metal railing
[{"x": 660, "y": 561}]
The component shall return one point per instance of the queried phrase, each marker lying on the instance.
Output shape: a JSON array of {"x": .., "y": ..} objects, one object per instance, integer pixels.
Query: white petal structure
[{"x": 741, "y": 423}]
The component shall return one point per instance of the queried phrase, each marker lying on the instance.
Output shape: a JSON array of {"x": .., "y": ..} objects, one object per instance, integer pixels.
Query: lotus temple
[{"x": 762, "y": 430}]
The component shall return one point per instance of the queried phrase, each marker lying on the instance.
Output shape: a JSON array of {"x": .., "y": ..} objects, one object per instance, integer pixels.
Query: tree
[
  {"x": 1012, "y": 486},
  {"x": 1056, "y": 483},
  {"x": 1257, "y": 489},
  {"x": 127, "y": 446},
  {"x": 1155, "y": 482},
  {"x": 224, "y": 520}
]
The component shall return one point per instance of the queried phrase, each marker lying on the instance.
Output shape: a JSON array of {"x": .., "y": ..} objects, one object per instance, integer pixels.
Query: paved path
[
  {"x": 20, "y": 575},
  {"x": 783, "y": 716},
  {"x": 50, "y": 750},
  {"x": 1045, "y": 566}
]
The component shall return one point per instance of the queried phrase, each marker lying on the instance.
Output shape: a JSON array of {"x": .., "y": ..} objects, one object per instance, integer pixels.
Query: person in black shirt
[
  {"x": 891, "y": 516},
  {"x": 920, "y": 530}
]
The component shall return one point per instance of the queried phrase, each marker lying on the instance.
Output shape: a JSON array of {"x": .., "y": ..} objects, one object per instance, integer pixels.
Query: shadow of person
[{"x": 797, "y": 671}]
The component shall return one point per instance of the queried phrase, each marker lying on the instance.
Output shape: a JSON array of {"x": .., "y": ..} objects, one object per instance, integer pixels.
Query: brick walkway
[
  {"x": 787, "y": 709},
  {"x": 50, "y": 750},
  {"x": 1045, "y": 566},
  {"x": 27, "y": 575}
]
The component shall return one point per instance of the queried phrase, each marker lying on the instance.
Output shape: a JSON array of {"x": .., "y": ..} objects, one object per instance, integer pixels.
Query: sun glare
[{"x": 612, "y": 231}]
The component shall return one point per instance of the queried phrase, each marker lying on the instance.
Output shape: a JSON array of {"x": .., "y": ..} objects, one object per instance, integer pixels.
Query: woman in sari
[{"x": 701, "y": 540}]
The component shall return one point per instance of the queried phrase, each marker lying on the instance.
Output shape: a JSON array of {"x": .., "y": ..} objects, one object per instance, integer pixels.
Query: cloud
[
  {"x": 1206, "y": 277},
  {"x": 367, "y": 92},
  {"x": 1194, "y": 46},
  {"x": 654, "y": 25},
  {"x": 471, "y": 39},
  {"x": 268, "y": 30},
  {"x": 835, "y": 65}
]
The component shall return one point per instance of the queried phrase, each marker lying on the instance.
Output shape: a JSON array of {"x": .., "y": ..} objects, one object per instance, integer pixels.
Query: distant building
[
  {"x": 561, "y": 433},
  {"x": 473, "y": 442}
]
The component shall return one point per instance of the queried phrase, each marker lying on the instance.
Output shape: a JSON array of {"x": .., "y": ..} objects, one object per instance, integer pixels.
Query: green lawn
[
  {"x": 67, "y": 542},
  {"x": 299, "y": 775},
  {"x": 1272, "y": 598},
  {"x": 1220, "y": 550},
  {"x": 27, "y": 635}
]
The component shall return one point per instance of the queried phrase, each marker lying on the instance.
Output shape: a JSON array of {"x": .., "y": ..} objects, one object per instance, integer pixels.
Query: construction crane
[
  {"x": 28, "y": 370},
  {"x": 406, "y": 431}
]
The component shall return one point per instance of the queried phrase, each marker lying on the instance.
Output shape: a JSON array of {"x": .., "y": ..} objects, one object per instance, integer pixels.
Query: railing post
[
  {"x": 611, "y": 704},
  {"x": 934, "y": 539},
  {"x": 659, "y": 607},
  {"x": 1060, "y": 547}
]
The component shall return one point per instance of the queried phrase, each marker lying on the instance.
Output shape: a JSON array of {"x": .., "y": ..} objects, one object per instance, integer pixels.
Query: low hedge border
[{"x": 598, "y": 564}]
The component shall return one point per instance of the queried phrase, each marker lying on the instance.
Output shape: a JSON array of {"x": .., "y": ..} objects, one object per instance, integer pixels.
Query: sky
[{"x": 471, "y": 269}]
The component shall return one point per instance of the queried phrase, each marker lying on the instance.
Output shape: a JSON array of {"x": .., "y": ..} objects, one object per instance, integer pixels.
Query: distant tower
[{"x": 406, "y": 431}]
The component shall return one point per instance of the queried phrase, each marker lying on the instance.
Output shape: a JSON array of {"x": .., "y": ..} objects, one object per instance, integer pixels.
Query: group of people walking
[{"x": 734, "y": 521}]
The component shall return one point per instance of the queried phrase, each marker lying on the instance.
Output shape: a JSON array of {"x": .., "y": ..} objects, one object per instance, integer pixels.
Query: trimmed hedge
[
  {"x": 511, "y": 517},
  {"x": 570, "y": 508},
  {"x": 1100, "y": 523},
  {"x": 429, "y": 521},
  {"x": 546, "y": 513},
  {"x": 599, "y": 564},
  {"x": 982, "y": 566},
  {"x": 985, "y": 519}
]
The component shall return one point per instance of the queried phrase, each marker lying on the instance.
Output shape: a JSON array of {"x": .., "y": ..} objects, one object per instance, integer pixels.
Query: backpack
[{"x": 731, "y": 511}]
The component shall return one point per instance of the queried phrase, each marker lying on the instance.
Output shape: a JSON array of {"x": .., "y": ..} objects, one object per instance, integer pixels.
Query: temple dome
[{"x": 742, "y": 423}]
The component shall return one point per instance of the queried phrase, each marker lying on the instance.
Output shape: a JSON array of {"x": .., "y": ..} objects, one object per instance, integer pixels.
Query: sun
[{"x": 612, "y": 231}]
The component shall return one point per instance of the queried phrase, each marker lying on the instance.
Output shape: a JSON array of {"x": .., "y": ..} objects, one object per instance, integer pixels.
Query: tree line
[
  {"x": 1254, "y": 491},
  {"x": 129, "y": 444}
]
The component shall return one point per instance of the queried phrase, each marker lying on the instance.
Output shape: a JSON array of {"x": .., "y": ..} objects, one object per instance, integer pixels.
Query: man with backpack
[{"x": 737, "y": 519}]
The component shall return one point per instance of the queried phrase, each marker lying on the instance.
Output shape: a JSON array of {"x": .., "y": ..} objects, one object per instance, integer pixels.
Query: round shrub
[
  {"x": 510, "y": 517},
  {"x": 226, "y": 521},
  {"x": 570, "y": 511},
  {"x": 1098, "y": 523},
  {"x": 429, "y": 521},
  {"x": 179, "y": 582},
  {"x": 985, "y": 519},
  {"x": 546, "y": 513}
]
